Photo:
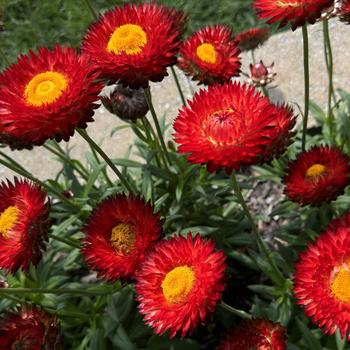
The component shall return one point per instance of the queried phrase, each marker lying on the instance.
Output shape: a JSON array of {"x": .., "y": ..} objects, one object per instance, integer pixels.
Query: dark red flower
[
  {"x": 126, "y": 103},
  {"x": 29, "y": 329},
  {"x": 322, "y": 278},
  {"x": 295, "y": 12},
  {"x": 135, "y": 43},
  {"x": 24, "y": 224},
  {"x": 256, "y": 334},
  {"x": 46, "y": 96},
  {"x": 119, "y": 233},
  {"x": 252, "y": 38},
  {"x": 317, "y": 176},
  {"x": 344, "y": 11},
  {"x": 230, "y": 125},
  {"x": 210, "y": 55},
  {"x": 179, "y": 284}
]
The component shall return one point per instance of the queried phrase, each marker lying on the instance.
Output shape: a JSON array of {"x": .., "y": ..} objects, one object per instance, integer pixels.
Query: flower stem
[
  {"x": 58, "y": 291},
  {"x": 253, "y": 56},
  {"x": 329, "y": 63},
  {"x": 178, "y": 85},
  {"x": 65, "y": 240},
  {"x": 306, "y": 84},
  {"x": 26, "y": 174},
  {"x": 91, "y": 9},
  {"x": 149, "y": 132},
  {"x": 260, "y": 243},
  {"x": 236, "y": 312},
  {"x": 148, "y": 98},
  {"x": 94, "y": 145}
]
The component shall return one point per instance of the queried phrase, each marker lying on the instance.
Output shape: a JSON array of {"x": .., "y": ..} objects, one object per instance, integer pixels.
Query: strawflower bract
[
  {"x": 118, "y": 235},
  {"x": 135, "y": 43},
  {"x": 210, "y": 55},
  {"x": 29, "y": 328},
  {"x": 46, "y": 95},
  {"x": 24, "y": 224},
  {"x": 317, "y": 176},
  {"x": 230, "y": 125},
  {"x": 179, "y": 284},
  {"x": 256, "y": 334},
  {"x": 322, "y": 278},
  {"x": 294, "y": 12}
]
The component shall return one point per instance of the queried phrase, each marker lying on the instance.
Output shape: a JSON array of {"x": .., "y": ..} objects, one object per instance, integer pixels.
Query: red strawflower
[
  {"x": 295, "y": 12},
  {"x": 317, "y": 176},
  {"x": 46, "y": 96},
  {"x": 256, "y": 334},
  {"x": 322, "y": 278},
  {"x": 119, "y": 233},
  {"x": 252, "y": 38},
  {"x": 135, "y": 43},
  {"x": 29, "y": 329},
  {"x": 230, "y": 125},
  {"x": 210, "y": 55},
  {"x": 179, "y": 284},
  {"x": 24, "y": 224}
]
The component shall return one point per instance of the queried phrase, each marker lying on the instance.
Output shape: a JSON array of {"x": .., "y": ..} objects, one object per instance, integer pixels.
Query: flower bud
[
  {"x": 126, "y": 103},
  {"x": 260, "y": 75}
]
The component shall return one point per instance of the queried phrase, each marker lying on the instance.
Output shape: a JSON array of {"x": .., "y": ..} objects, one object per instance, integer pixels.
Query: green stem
[
  {"x": 265, "y": 91},
  {"x": 329, "y": 63},
  {"x": 253, "y": 56},
  {"x": 178, "y": 85},
  {"x": 58, "y": 291},
  {"x": 236, "y": 312},
  {"x": 93, "y": 12},
  {"x": 65, "y": 240},
  {"x": 93, "y": 144},
  {"x": 260, "y": 243},
  {"x": 104, "y": 171},
  {"x": 149, "y": 132},
  {"x": 65, "y": 158},
  {"x": 148, "y": 97},
  {"x": 21, "y": 172},
  {"x": 306, "y": 84}
]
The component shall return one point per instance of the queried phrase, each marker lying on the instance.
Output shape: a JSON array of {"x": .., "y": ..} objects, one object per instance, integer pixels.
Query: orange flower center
[
  {"x": 123, "y": 238},
  {"x": 177, "y": 284},
  {"x": 341, "y": 284},
  {"x": 207, "y": 53},
  {"x": 8, "y": 219},
  {"x": 282, "y": 3},
  {"x": 44, "y": 88},
  {"x": 315, "y": 170},
  {"x": 128, "y": 38}
]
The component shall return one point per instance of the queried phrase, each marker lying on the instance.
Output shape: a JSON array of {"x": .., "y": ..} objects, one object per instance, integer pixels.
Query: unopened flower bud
[
  {"x": 126, "y": 103},
  {"x": 260, "y": 75}
]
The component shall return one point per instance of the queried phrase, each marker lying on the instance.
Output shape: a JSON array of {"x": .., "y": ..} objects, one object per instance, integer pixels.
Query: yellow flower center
[
  {"x": 128, "y": 38},
  {"x": 123, "y": 238},
  {"x": 207, "y": 53},
  {"x": 288, "y": 3},
  {"x": 44, "y": 88},
  {"x": 315, "y": 170},
  {"x": 8, "y": 219},
  {"x": 177, "y": 284},
  {"x": 341, "y": 285}
]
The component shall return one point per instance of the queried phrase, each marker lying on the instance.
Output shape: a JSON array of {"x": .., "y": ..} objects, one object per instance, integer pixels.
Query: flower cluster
[{"x": 178, "y": 279}]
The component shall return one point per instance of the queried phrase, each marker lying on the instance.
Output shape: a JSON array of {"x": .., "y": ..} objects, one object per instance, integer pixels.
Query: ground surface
[{"x": 284, "y": 49}]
